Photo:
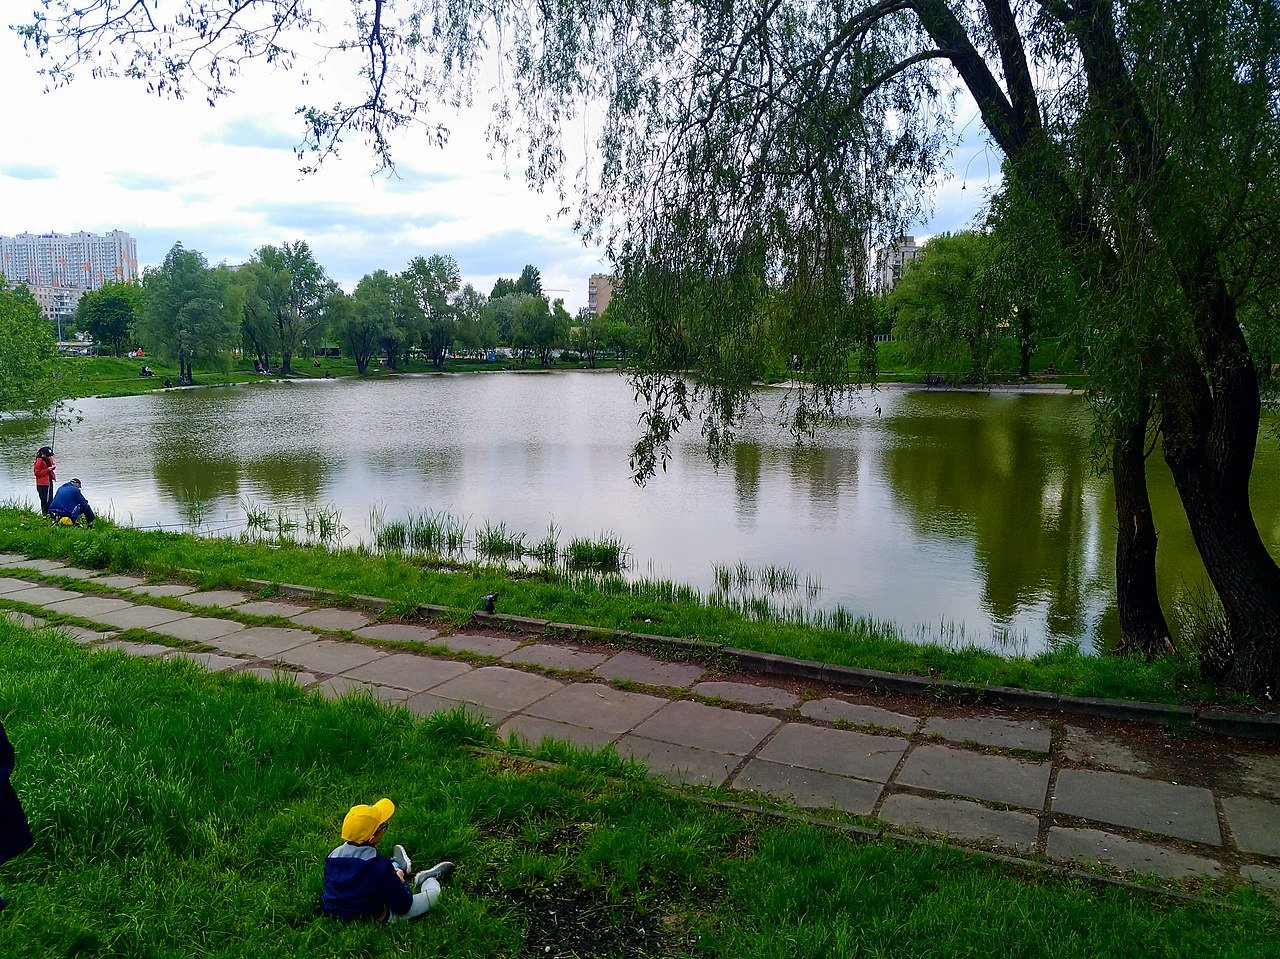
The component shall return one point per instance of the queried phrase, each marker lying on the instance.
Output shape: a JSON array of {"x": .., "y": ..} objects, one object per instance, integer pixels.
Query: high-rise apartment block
[
  {"x": 599, "y": 293},
  {"x": 891, "y": 261},
  {"x": 78, "y": 261}
]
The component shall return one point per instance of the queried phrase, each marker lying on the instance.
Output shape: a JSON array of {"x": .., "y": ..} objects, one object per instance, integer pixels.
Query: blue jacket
[
  {"x": 68, "y": 500},
  {"x": 360, "y": 884}
]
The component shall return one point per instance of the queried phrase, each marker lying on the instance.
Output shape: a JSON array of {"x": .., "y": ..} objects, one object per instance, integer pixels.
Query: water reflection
[{"x": 958, "y": 516}]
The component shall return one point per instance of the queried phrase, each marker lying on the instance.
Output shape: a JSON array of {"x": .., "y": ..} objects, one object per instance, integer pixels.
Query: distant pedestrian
[
  {"x": 360, "y": 883},
  {"x": 15, "y": 834},
  {"x": 45, "y": 477},
  {"x": 69, "y": 504}
]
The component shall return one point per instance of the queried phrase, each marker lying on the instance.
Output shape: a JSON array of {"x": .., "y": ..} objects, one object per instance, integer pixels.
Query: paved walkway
[{"x": 1126, "y": 797}]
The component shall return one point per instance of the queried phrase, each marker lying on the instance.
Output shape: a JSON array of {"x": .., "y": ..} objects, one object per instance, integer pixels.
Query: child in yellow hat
[{"x": 360, "y": 883}]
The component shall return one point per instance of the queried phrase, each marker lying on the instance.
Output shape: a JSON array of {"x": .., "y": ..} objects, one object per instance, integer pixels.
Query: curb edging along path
[
  {"x": 1134, "y": 799},
  {"x": 1264, "y": 726}
]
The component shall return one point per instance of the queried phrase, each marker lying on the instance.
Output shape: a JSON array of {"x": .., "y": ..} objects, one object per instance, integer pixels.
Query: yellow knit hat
[{"x": 363, "y": 821}]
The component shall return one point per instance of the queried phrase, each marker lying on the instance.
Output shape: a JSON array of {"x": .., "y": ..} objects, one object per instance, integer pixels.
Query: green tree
[
  {"x": 943, "y": 317},
  {"x": 433, "y": 283},
  {"x": 530, "y": 281},
  {"x": 476, "y": 331},
  {"x": 184, "y": 318},
  {"x": 28, "y": 354},
  {"x": 377, "y": 320},
  {"x": 259, "y": 289},
  {"x": 771, "y": 143},
  {"x": 502, "y": 286},
  {"x": 586, "y": 337},
  {"x": 109, "y": 313},
  {"x": 293, "y": 289}
]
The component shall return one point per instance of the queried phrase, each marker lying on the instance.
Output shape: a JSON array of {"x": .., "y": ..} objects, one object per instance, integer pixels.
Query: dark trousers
[
  {"x": 46, "y": 494},
  {"x": 86, "y": 511}
]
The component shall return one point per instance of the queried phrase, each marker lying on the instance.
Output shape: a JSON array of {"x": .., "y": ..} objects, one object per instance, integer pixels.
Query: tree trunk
[
  {"x": 1143, "y": 628},
  {"x": 361, "y": 363},
  {"x": 1025, "y": 345},
  {"x": 1210, "y": 436},
  {"x": 285, "y": 359}
]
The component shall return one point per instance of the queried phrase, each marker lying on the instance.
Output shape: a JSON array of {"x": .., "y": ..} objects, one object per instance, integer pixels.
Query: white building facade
[
  {"x": 891, "y": 260},
  {"x": 80, "y": 261}
]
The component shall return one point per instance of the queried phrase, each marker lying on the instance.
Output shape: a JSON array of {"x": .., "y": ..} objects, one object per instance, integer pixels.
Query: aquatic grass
[
  {"x": 496, "y": 541},
  {"x": 547, "y": 550},
  {"x": 324, "y": 523},
  {"x": 606, "y": 553},
  {"x": 138, "y": 771},
  {"x": 255, "y": 516},
  {"x": 195, "y": 509}
]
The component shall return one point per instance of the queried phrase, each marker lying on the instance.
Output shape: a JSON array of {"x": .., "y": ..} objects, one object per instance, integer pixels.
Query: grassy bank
[
  {"x": 179, "y": 813},
  {"x": 652, "y": 607},
  {"x": 110, "y": 376}
]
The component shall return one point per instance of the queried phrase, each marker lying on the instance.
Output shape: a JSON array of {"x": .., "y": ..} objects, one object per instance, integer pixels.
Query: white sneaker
[
  {"x": 401, "y": 859},
  {"x": 440, "y": 872}
]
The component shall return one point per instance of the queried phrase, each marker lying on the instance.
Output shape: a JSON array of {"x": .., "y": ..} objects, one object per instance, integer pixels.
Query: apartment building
[{"x": 81, "y": 261}]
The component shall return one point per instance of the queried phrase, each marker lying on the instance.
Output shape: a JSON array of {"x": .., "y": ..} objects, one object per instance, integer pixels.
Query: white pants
[{"x": 422, "y": 902}]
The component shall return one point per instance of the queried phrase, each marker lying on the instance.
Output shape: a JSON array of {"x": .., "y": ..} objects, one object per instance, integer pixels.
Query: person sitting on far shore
[
  {"x": 69, "y": 504},
  {"x": 360, "y": 883}
]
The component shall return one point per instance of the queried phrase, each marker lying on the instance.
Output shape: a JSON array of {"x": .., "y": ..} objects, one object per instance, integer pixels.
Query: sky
[{"x": 103, "y": 154}]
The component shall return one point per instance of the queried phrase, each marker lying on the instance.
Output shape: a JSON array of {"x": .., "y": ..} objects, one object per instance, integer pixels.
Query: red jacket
[{"x": 44, "y": 471}]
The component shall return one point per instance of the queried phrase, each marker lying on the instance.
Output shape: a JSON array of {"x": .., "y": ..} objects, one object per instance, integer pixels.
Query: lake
[{"x": 963, "y": 517}]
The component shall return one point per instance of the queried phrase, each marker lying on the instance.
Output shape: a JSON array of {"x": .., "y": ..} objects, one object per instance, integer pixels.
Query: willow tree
[{"x": 772, "y": 142}]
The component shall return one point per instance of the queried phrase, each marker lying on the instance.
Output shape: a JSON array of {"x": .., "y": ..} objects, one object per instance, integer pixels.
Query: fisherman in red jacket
[{"x": 44, "y": 477}]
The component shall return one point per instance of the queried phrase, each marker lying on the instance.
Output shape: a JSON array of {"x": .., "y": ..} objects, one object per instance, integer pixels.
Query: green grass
[
  {"x": 179, "y": 813},
  {"x": 649, "y": 606}
]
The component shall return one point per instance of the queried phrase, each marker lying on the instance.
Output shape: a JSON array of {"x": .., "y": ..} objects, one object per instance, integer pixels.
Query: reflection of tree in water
[
  {"x": 1013, "y": 482},
  {"x": 296, "y": 477},
  {"x": 825, "y": 473},
  {"x": 179, "y": 474}
]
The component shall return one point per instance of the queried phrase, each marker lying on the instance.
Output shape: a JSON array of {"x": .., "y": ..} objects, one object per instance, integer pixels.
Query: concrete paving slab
[
  {"x": 597, "y": 706},
  {"x": 749, "y": 694},
  {"x": 336, "y": 686},
  {"x": 8, "y": 559},
  {"x": 1119, "y": 852},
  {"x": 271, "y": 607},
  {"x": 1260, "y": 774},
  {"x": 978, "y": 776},
  {"x": 500, "y": 687},
  {"x": 1085, "y": 748},
  {"x": 534, "y": 730},
  {"x": 398, "y": 633},
  {"x": 198, "y": 629},
  {"x": 25, "y": 620},
  {"x": 330, "y": 618},
  {"x": 262, "y": 642},
  {"x": 74, "y": 572},
  {"x": 329, "y": 656},
  {"x": 43, "y": 565},
  {"x": 83, "y": 636},
  {"x": 682, "y": 764},
  {"x": 45, "y": 596},
  {"x": 140, "y": 617},
  {"x": 10, "y": 585},
  {"x": 1255, "y": 824},
  {"x": 835, "y": 751},
  {"x": 1186, "y": 812},
  {"x": 809, "y": 787},
  {"x": 653, "y": 672},
  {"x": 960, "y": 819},
  {"x": 213, "y": 662},
  {"x": 479, "y": 645},
  {"x": 163, "y": 589},
  {"x": 426, "y": 704},
  {"x": 88, "y": 607},
  {"x": 283, "y": 675},
  {"x": 136, "y": 649},
  {"x": 116, "y": 581},
  {"x": 688, "y": 723},
  {"x": 992, "y": 731},
  {"x": 222, "y": 598},
  {"x": 556, "y": 657},
  {"x": 409, "y": 671},
  {"x": 856, "y": 714},
  {"x": 1266, "y": 878}
]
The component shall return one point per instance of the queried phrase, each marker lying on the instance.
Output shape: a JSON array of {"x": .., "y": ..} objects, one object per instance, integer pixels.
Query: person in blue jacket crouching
[{"x": 69, "y": 503}]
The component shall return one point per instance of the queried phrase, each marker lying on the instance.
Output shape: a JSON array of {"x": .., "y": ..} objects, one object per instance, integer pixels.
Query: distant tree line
[{"x": 282, "y": 303}]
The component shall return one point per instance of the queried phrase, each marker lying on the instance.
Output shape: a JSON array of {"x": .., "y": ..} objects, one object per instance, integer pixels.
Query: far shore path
[{"x": 1120, "y": 797}]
